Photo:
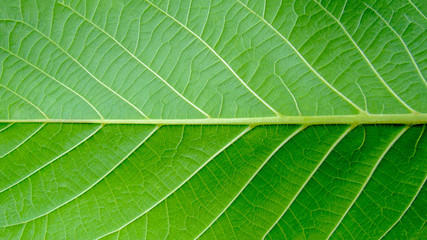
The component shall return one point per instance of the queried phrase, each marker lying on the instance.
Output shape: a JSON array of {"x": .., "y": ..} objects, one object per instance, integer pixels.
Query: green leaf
[{"x": 216, "y": 119}]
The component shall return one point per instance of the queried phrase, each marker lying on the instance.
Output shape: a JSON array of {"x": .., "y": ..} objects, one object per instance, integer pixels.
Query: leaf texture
[{"x": 243, "y": 119}]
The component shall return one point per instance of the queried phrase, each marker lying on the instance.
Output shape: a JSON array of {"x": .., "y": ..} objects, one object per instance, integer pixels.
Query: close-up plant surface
[{"x": 213, "y": 119}]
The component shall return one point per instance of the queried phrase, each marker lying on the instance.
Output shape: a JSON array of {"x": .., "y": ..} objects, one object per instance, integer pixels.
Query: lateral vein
[
  {"x": 304, "y": 60},
  {"x": 92, "y": 185},
  {"x": 6, "y": 127},
  {"x": 82, "y": 67},
  {"x": 23, "y": 141},
  {"x": 407, "y": 208},
  {"x": 401, "y": 40},
  {"x": 253, "y": 176},
  {"x": 219, "y": 57},
  {"x": 365, "y": 58},
  {"x": 386, "y": 150},
  {"x": 310, "y": 177},
  {"x": 417, "y": 9},
  {"x": 25, "y": 99},
  {"x": 184, "y": 182},
  {"x": 54, "y": 159},
  {"x": 137, "y": 59}
]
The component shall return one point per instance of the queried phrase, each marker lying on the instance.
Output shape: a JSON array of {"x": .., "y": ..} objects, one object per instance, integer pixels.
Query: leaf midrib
[{"x": 410, "y": 119}]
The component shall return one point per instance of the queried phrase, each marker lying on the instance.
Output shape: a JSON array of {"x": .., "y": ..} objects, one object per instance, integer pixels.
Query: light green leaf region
[{"x": 220, "y": 119}]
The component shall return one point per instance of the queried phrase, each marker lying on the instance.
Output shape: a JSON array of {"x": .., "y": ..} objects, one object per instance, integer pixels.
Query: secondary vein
[
  {"x": 219, "y": 57},
  {"x": 138, "y": 60}
]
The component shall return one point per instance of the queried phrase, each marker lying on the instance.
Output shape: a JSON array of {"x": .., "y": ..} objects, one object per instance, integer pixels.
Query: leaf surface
[{"x": 240, "y": 119}]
